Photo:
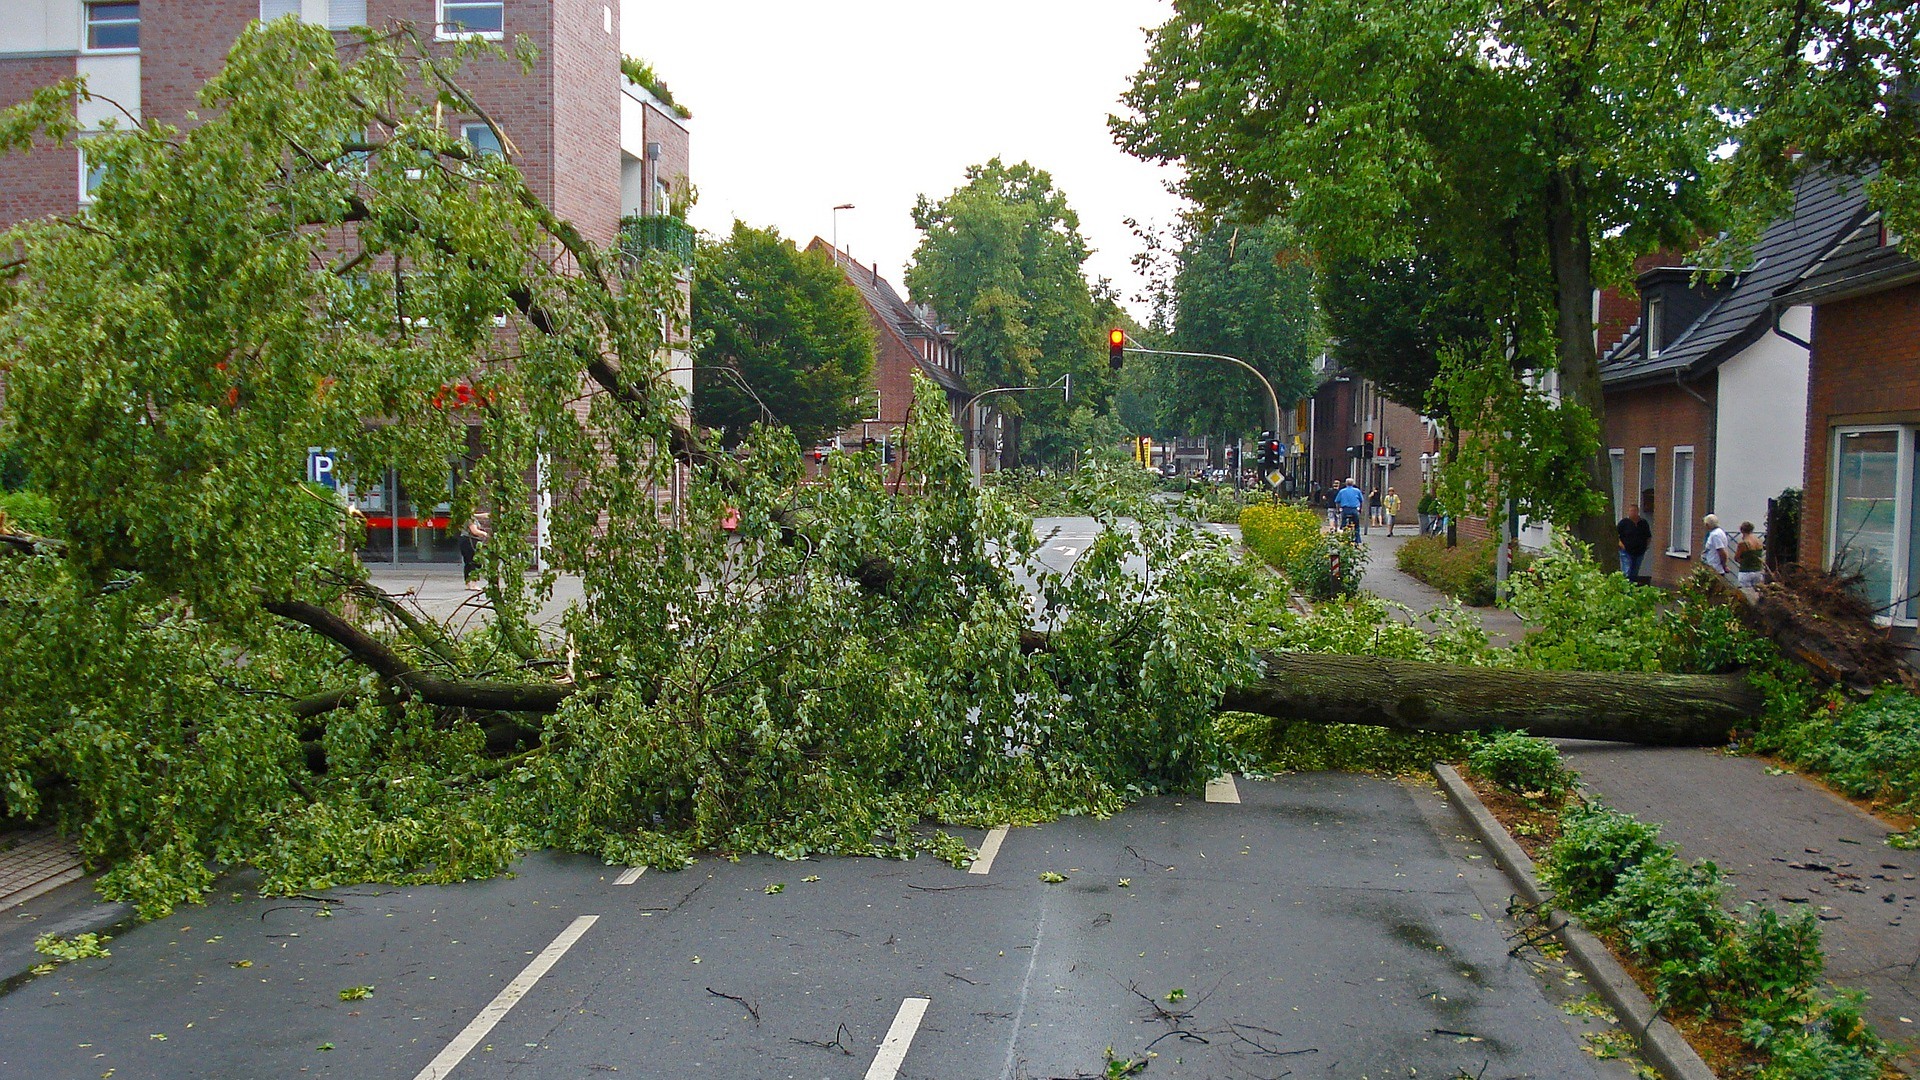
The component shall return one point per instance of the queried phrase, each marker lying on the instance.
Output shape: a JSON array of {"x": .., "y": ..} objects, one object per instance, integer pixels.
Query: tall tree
[
  {"x": 786, "y": 324},
  {"x": 1530, "y": 144},
  {"x": 1391, "y": 321},
  {"x": 1001, "y": 260},
  {"x": 1246, "y": 292}
]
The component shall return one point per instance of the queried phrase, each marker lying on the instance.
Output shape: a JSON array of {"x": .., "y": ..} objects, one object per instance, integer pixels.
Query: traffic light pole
[{"x": 1272, "y": 398}]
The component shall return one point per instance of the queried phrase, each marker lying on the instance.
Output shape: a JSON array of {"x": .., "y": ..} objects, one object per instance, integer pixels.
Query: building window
[
  {"x": 1656, "y": 309},
  {"x": 1872, "y": 527},
  {"x": 1649, "y": 461},
  {"x": 277, "y": 9},
  {"x": 346, "y": 14},
  {"x": 1617, "y": 461},
  {"x": 482, "y": 139},
  {"x": 113, "y": 27},
  {"x": 92, "y": 174},
  {"x": 1680, "y": 516},
  {"x": 462, "y": 18}
]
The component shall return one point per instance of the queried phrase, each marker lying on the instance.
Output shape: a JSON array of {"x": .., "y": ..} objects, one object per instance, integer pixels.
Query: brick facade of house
[
  {"x": 1665, "y": 417},
  {"x": 45, "y": 180},
  {"x": 1865, "y": 370}
]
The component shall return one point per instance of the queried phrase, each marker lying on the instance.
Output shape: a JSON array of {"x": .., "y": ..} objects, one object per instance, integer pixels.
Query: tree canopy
[
  {"x": 1000, "y": 258},
  {"x": 1243, "y": 291},
  {"x": 788, "y": 325}
]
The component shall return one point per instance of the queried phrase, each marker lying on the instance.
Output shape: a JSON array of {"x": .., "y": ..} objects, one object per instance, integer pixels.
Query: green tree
[
  {"x": 1392, "y": 321},
  {"x": 1242, "y": 291},
  {"x": 1000, "y": 259},
  {"x": 788, "y": 325},
  {"x": 1536, "y": 148}
]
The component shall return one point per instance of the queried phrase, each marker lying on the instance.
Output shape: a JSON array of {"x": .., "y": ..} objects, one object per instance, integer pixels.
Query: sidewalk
[
  {"x": 1384, "y": 580},
  {"x": 1782, "y": 840},
  {"x": 436, "y": 590}
]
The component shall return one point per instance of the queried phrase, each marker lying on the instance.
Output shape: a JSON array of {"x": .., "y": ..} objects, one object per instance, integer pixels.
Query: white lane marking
[
  {"x": 893, "y": 1048},
  {"x": 983, "y": 862},
  {"x": 504, "y": 1001},
  {"x": 1222, "y": 789},
  {"x": 630, "y": 875},
  {"x": 1064, "y": 549}
]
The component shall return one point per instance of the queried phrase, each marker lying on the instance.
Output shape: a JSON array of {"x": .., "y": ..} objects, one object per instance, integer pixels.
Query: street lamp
[{"x": 836, "y": 227}]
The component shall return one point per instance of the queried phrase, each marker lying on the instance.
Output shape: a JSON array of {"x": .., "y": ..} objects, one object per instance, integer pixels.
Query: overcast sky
[{"x": 800, "y": 105}]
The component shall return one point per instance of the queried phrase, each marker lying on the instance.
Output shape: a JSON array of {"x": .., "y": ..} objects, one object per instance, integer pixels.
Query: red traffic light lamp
[
  {"x": 1368, "y": 437},
  {"x": 1116, "y": 345}
]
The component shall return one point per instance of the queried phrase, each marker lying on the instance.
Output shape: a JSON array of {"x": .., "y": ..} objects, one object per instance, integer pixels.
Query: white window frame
[
  {"x": 443, "y": 33},
  {"x": 87, "y": 24},
  {"x": 468, "y": 126},
  {"x": 86, "y": 171},
  {"x": 1899, "y": 585},
  {"x": 1681, "y": 514},
  {"x": 339, "y": 20},
  {"x": 287, "y": 7},
  {"x": 1617, "y": 464},
  {"x": 1656, "y": 314}
]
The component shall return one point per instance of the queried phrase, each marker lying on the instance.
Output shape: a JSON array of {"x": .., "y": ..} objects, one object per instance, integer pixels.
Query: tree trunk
[
  {"x": 1570, "y": 250},
  {"x": 1633, "y": 707}
]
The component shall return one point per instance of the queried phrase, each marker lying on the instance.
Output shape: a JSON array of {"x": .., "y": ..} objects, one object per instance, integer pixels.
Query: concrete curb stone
[{"x": 1660, "y": 1042}]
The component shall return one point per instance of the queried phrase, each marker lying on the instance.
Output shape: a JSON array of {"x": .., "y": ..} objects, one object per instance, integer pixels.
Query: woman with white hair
[{"x": 1718, "y": 553}]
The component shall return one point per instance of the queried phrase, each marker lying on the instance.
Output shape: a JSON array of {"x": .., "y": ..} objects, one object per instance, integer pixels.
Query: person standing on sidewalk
[
  {"x": 1635, "y": 534},
  {"x": 469, "y": 543},
  {"x": 1349, "y": 501},
  {"x": 1749, "y": 556},
  {"x": 1718, "y": 551},
  {"x": 1391, "y": 504}
]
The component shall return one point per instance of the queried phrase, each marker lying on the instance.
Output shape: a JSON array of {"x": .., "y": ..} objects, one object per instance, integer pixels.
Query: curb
[{"x": 1662, "y": 1045}]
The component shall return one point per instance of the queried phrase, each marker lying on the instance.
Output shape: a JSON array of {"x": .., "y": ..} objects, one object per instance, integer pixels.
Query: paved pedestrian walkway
[
  {"x": 1384, "y": 579},
  {"x": 1783, "y": 840},
  {"x": 32, "y": 863}
]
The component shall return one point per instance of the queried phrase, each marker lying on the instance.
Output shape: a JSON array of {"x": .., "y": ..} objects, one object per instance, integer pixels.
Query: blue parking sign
[{"x": 320, "y": 467}]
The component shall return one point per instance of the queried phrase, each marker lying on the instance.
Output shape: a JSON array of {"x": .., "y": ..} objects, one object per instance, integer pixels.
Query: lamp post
[
  {"x": 836, "y": 227},
  {"x": 1272, "y": 397}
]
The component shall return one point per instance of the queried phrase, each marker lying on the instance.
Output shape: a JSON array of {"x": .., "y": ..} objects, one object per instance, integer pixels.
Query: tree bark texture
[
  {"x": 1570, "y": 251},
  {"x": 1633, "y": 707}
]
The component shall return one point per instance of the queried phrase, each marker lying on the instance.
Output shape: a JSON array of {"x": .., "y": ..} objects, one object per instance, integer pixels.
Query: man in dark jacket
[{"x": 1635, "y": 534}]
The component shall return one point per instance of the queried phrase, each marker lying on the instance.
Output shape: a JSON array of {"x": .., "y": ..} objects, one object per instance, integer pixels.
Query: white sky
[{"x": 800, "y": 105}]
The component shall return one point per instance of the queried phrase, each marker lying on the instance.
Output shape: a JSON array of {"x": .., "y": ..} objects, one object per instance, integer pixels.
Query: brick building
[
  {"x": 1706, "y": 387},
  {"x": 1863, "y": 416},
  {"x": 600, "y": 150},
  {"x": 1340, "y": 414},
  {"x": 910, "y": 338}
]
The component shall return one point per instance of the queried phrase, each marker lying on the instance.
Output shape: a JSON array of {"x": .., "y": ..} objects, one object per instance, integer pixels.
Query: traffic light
[
  {"x": 1116, "y": 344},
  {"x": 1266, "y": 457},
  {"x": 1368, "y": 443}
]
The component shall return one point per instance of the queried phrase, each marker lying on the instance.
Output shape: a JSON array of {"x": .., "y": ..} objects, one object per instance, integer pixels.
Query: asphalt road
[{"x": 1324, "y": 926}]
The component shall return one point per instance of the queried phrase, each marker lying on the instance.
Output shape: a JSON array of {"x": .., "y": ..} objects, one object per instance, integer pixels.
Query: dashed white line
[
  {"x": 1222, "y": 789},
  {"x": 506, "y": 999},
  {"x": 983, "y": 862},
  {"x": 630, "y": 875},
  {"x": 893, "y": 1048}
]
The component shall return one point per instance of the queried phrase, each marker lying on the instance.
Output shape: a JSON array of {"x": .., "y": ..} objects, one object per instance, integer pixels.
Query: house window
[
  {"x": 1649, "y": 461},
  {"x": 482, "y": 139},
  {"x": 113, "y": 27},
  {"x": 1656, "y": 309},
  {"x": 346, "y": 14},
  {"x": 92, "y": 174},
  {"x": 1617, "y": 460},
  {"x": 1680, "y": 517},
  {"x": 461, "y": 18},
  {"x": 275, "y": 9},
  {"x": 1871, "y": 521}
]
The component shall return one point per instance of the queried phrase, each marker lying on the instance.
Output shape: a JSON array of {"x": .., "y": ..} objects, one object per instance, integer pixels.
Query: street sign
[{"x": 320, "y": 467}]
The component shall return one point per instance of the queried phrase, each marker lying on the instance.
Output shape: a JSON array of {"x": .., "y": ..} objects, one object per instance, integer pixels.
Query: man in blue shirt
[{"x": 1349, "y": 500}]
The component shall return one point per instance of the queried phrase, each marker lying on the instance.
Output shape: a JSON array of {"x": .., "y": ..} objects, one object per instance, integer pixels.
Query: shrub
[
  {"x": 1464, "y": 572},
  {"x": 1671, "y": 916},
  {"x": 1869, "y": 749},
  {"x": 1596, "y": 845},
  {"x": 1773, "y": 963},
  {"x": 1292, "y": 539},
  {"x": 1587, "y": 619},
  {"x": 27, "y": 511},
  {"x": 1520, "y": 763}
]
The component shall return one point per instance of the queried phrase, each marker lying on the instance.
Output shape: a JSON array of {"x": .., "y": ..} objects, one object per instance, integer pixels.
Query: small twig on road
[
  {"x": 951, "y": 888},
  {"x": 1171, "y": 1017},
  {"x": 1455, "y": 1034},
  {"x": 1184, "y": 1036},
  {"x": 744, "y": 1003},
  {"x": 1130, "y": 850},
  {"x": 1263, "y": 1048},
  {"x": 836, "y": 1044},
  {"x": 962, "y": 978}
]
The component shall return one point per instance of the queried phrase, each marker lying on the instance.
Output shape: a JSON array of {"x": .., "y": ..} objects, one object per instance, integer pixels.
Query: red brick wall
[
  {"x": 1865, "y": 368},
  {"x": 675, "y": 159},
  {"x": 46, "y": 180},
  {"x": 183, "y": 43},
  {"x": 1664, "y": 416},
  {"x": 582, "y": 75}
]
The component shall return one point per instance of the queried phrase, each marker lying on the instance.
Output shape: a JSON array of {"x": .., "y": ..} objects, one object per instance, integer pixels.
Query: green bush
[
  {"x": 1520, "y": 764},
  {"x": 28, "y": 511},
  {"x": 1671, "y": 916},
  {"x": 1464, "y": 572},
  {"x": 1585, "y": 618},
  {"x": 1773, "y": 963},
  {"x": 1293, "y": 539},
  {"x": 1596, "y": 845}
]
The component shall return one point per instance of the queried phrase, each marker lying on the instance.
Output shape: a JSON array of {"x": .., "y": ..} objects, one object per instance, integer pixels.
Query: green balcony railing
[{"x": 663, "y": 233}]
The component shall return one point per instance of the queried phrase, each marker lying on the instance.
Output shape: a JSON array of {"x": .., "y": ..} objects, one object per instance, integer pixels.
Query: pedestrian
[
  {"x": 1349, "y": 500},
  {"x": 1392, "y": 505},
  {"x": 1373, "y": 507},
  {"x": 1635, "y": 534},
  {"x": 471, "y": 537},
  {"x": 1717, "y": 554},
  {"x": 1749, "y": 556}
]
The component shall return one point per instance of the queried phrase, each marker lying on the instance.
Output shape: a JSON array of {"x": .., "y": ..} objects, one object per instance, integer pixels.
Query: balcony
[{"x": 662, "y": 233}]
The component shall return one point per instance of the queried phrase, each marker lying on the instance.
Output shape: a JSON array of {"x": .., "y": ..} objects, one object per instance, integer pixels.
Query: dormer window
[{"x": 1656, "y": 310}]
